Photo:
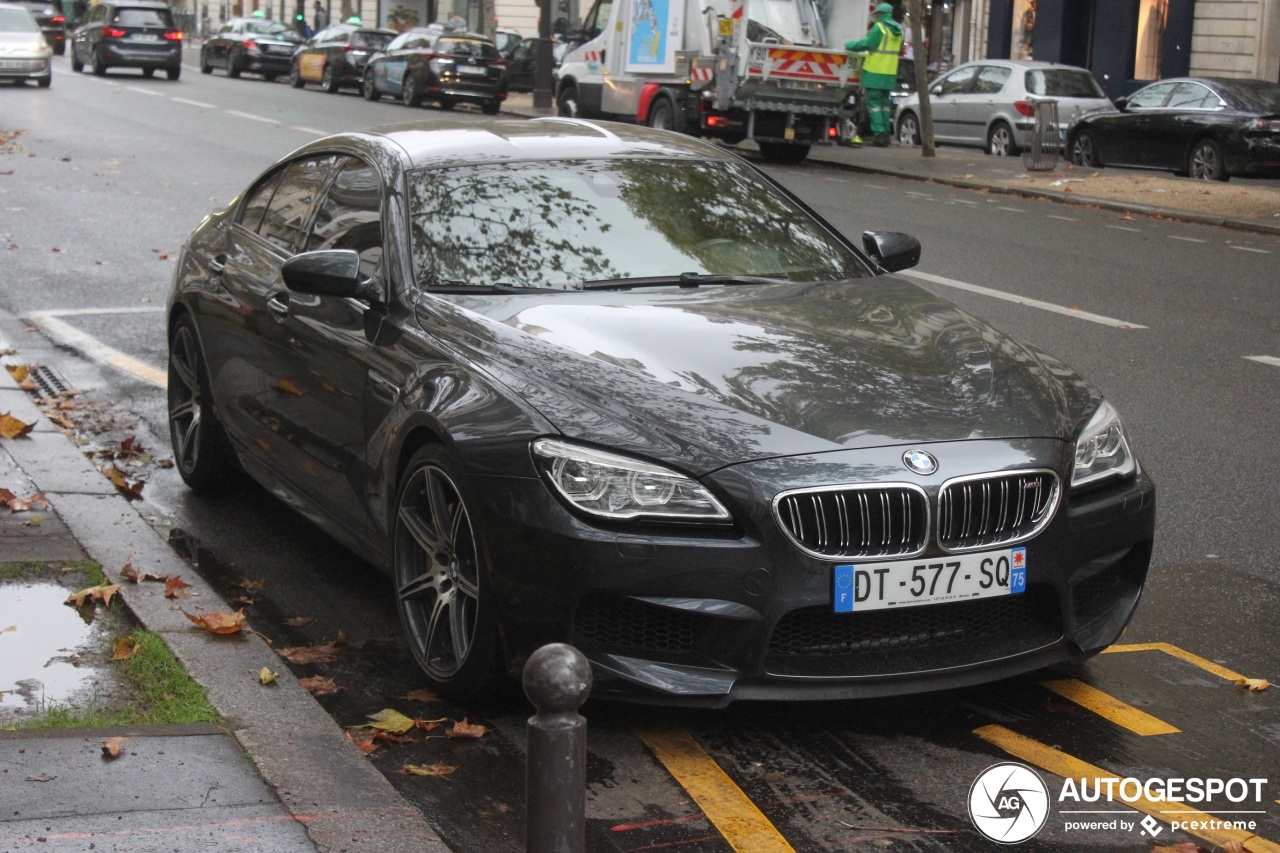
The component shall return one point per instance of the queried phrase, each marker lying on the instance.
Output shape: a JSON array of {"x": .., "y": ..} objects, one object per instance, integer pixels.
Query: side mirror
[
  {"x": 892, "y": 250},
  {"x": 329, "y": 272},
  {"x": 1122, "y": 104}
]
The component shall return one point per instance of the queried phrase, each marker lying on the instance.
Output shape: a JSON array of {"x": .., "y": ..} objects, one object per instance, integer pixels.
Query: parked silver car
[
  {"x": 990, "y": 103},
  {"x": 25, "y": 52}
]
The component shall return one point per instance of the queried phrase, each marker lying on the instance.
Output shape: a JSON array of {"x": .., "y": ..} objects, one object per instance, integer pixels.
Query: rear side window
[
  {"x": 143, "y": 18},
  {"x": 285, "y": 221},
  {"x": 371, "y": 41},
  {"x": 255, "y": 205},
  {"x": 1192, "y": 96},
  {"x": 991, "y": 79},
  {"x": 467, "y": 47},
  {"x": 1063, "y": 83}
]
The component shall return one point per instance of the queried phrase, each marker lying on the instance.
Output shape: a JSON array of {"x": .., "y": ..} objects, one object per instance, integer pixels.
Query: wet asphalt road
[{"x": 142, "y": 167}]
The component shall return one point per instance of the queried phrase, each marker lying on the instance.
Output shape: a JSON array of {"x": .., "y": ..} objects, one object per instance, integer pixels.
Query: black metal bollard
[{"x": 557, "y": 680}]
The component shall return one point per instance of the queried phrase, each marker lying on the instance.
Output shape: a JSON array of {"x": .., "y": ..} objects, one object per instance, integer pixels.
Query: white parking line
[
  {"x": 1123, "y": 228},
  {"x": 1011, "y": 209},
  {"x": 919, "y": 195},
  {"x": 1186, "y": 239},
  {"x": 92, "y": 347},
  {"x": 1264, "y": 359},
  {"x": 1062, "y": 218},
  {"x": 964, "y": 201},
  {"x": 253, "y": 117},
  {"x": 1022, "y": 300},
  {"x": 200, "y": 104},
  {"x": 875, "y": 186},
  {"x": 1250, "y": 249},
  {"x": 310, "y": 130},
  {"x": 142, "y": 91}
]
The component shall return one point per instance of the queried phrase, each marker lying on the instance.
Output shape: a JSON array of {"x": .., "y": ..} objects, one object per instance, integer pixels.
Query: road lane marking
[
  {"x": 1109, "y": 708},
  {"x": 93, "y": 348},
  {"x": 302, "y": 129},
  {"x": 1123, "y": 228},
  {"x": 875, "y": 186},
  {"x": 200, "y": 104},
  {"x": 253, "y": 117},
  {"x": 142, "y": 91},
  {"x": 743, "y": 826},
  {"x": 1250, "y": 249},
  {"x": 1186, "y": 239},
  {"x": 1264, "y": 359},
  {"x": 1063, "y": 218},
  {"x": 1022, "y": 300},
  {"x": 1011, "y": 209},
  {"x": 1182, "y": 654},
  {"x": 964, "y": 201},
  {"x": 1069, "y": 767}
]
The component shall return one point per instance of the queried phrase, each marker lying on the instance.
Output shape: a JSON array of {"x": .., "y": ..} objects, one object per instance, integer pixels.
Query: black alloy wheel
[
  {"x": 295, "y": 76},
  {"x": 233, "y": 68},
  {"x": 1084, "y": 149},
  {"x": 1205, "y": 163},
  {"x": 1000, "y": 141},
  {"x": 447, "y": 615},
  {"x": 369, "y": 87},
  {"x": 567, "y": 102},
  {"x": 661, "y": 115},
  {"x": 409, "y": 94},
  {"x": 76, "y": 65},
  {"x": 205, "y": 67},
  {"x": 99, "y": 67},
  {"x": 329, "y": 79},
  {"x": 173, "y": 73},
  {"x": 908, "y": 129},
  {"x": 199, "y": 444}
]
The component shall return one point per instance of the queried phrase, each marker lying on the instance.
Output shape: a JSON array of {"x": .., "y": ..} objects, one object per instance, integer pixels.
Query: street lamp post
[{"x": 542, "y": 83}]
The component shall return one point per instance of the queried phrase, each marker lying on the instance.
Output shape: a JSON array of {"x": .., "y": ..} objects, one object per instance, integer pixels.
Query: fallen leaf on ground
[
  {"x": 11, "y": 427},
  {"x": 17, "y": 504},
  {"x": 391, "y": 737},
  {"x": 33, "y": 521},
  {"x": 287, "y": 386},
  {"x": 319, "y": 685},
  {"x": 250, "y": 585},
  {"x": 176, "y": 587},
  {"x": 464, "y": 729},
  {"x": 310, "y": 654},
  {"x": 299, "y": 621},
  {"x": 12, "y": 629},
  {"x": 422, "y": 694},
  {"x": 128, "y": 572},
  {"x": 218, "y": 623},
  {"x": 125, "y": 648},
  {"x": 363, "y": 740},
  {"x": 1257, "y": 685},
  {"x": 389, "y": 720},
  {"x": 43, "y": 777},
  {"x": 91, "y": 594},
  {"x": 266, "y": 676},
  {"x": 111, "y": 746},
  {"x": 437, "y": 769},
  {"x": 19, "y": 372},
  {"x": 132, "y": 491},
  {"x": 430, "y": 725}
]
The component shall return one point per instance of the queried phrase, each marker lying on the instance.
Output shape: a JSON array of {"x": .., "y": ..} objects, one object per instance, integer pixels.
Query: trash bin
[{"x": 1046, "y": 139}]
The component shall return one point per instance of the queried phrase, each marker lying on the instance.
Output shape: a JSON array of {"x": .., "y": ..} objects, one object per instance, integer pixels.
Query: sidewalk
[
  {"x": 305, "y": 787},
  {"x": 1253, "y": 208}
]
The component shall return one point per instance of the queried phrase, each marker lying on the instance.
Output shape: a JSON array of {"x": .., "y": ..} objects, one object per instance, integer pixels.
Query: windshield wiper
[
  {"x": 685, "y": 279},
  {"x": 463, "y": 287}
]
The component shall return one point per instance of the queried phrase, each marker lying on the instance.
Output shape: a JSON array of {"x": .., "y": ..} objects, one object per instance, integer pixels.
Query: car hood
[{"x": 719, "y": 375}]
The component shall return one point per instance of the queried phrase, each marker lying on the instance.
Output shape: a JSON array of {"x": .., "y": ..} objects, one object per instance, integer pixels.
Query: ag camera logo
[{"x": 1008, "y": 802}]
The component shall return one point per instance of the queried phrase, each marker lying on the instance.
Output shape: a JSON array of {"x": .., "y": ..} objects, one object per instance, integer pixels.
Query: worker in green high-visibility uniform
[{"x": 883, "y": 44}]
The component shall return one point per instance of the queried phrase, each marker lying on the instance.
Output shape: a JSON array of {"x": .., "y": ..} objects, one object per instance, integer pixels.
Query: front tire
[
  {"x": 295, "y": 77},
  {"x": 329, "y": 79},
  {"x": 409, "y": 94},
  {"x": 490, "y": 108},
  {"x": 909, "y": 129},
  {"x": 99, "y": 67},
  {"x": 662, "y": 115},
  {"x": 1084, "y": 149},
  {"x": 233, "y": 70},
  {"x": 567, "y": 102},
  {"x": 199, "y": 443},
  {"x": 173, "y": 73},
  {"x": 1000, "y": 141},
  {"x": 1205, "y": 162},
  {"x": 76, "y": 65},
  {"x": 205, "y": 67},
  {"x": 369, "y": 88},
  {"x": 440, "y": 578}
]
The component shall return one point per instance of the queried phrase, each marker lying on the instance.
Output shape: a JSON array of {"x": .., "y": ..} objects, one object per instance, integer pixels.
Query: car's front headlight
[
  {"x": 617, "y": 487},
  {"x": 1102, "y": 450}
]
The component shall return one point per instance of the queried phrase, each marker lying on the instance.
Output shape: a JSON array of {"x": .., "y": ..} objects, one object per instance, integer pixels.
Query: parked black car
[
  {"x": 520, "y": 62},
  {"x": 51, "y": 20},
  {"x": 335, "y": 57},
  {"x": 128, "y": 34},
  {"x": 1205, "y": 127},
  {"x": 712, "y": 443},
  {"x": 447, "y": 67},
  {"x": 250, "y": 44}
]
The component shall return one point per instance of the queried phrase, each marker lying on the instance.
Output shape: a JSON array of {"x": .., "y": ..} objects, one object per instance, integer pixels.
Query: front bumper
[
  {"x": 24, "y": 69},
  {"x": 706, "y": 617}
]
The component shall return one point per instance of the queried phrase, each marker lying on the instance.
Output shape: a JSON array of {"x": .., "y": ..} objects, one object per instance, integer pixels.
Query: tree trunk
[
  {"x": 487, "y": 24},
  {"x": 921, "y": 55}
]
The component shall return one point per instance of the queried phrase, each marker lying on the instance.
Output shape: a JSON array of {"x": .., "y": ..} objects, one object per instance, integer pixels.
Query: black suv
[
  {"x": 51, "y": 20},
  {"x": 335, "y": 56},
  {"x": 121, "y": 34}
]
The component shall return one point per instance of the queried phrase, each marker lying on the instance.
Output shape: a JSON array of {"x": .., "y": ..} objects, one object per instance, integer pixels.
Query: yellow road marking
[
  {"x": 52, "y": 322},
  {"x": 1169, "y": 649},
  {"x": 1109, "y": 707},
  {"x": 1069, "y": 767},
  {"x": 742, "y": 824}
]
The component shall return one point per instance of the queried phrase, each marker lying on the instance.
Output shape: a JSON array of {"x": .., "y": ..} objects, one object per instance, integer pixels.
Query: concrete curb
[{"x": 342, "y": 802}]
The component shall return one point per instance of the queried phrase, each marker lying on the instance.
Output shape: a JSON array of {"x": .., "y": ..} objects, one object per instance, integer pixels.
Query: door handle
[
  {"x": 278, "y": 305},
  {"x": 218, "y": 263}
]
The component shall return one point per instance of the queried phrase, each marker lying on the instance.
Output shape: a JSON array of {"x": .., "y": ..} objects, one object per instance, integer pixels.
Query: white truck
[{"x": 770, "y": 70}]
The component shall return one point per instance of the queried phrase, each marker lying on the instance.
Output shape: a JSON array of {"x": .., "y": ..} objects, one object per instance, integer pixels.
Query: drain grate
[{"x": 49, "y": 383}]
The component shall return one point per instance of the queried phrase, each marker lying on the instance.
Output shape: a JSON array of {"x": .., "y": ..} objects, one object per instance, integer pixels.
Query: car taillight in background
[
  {"x": 1025, "y": 108},
  {"x": 113, "y": 32},
  {"x": 58, "y": 19},
  {"x": 175, "y": 35},
  {"x": 250, "y": 44}
]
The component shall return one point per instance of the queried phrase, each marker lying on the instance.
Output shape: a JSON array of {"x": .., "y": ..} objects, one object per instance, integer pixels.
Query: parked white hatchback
[
  {"x": 991, "y": 103},
  {"x": 24, "y": 54}
]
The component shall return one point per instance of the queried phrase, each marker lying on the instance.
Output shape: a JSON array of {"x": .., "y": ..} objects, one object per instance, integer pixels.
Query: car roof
[
  {"x": 437, "y": 144},
  {"x": 1024, "y": 63}
]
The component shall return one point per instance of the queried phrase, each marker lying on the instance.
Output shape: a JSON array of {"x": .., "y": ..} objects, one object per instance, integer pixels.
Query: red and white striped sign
[
  {"x": 701, "y": 73},
  {"x": 592, "y": 56},
  {"x": 803, "y": 64}
]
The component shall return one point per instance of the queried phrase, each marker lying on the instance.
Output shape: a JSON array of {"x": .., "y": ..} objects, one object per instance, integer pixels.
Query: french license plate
[
  {"x": 145, "y": 37},
  {"x": 471, "y": 69},
  {"x": 908, "y": 583}
]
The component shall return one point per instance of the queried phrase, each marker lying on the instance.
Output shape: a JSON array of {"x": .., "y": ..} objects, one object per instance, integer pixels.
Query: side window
[
  {"x": 1193, "y": 96},
  {"x": 1151, "y": 97},
  {"x": 350, "y": 217},
  {"x": 957, "y": 81},
  {"x": 290, "y": 208},
  {"x": 255, "y": 204},
  {"x": 991, "y": 79},
  {"x": 597, "y": 18}
]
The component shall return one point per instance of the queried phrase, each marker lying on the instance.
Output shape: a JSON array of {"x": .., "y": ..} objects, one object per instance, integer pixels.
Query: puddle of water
[{"x": 35, "y": 657}]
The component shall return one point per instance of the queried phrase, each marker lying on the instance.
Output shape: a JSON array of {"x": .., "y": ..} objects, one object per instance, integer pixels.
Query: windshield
[
  {"x": 143, "y": 18},
  {"x": 267, "y": 28},
  {"x": 561, "y": 224},
  {"x": 373, "y": 41},
  {"x": 1063, "y": 83},
  {"x": 17, "y": 21}
]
